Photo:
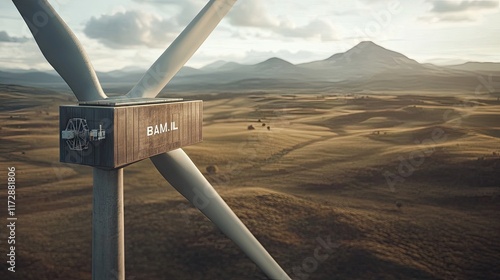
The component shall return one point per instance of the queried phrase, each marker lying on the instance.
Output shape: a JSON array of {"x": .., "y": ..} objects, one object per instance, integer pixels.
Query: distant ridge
[
  {"x": 366, "y": 66},
  {"x": 214, "y": 65},
  {"x": 477, "y": 66},
  {"x": 29, "y": 77},
  {"x": 230, "y": 66}
]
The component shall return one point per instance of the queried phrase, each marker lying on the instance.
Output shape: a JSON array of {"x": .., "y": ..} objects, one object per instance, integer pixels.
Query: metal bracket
[{"x": 78, "y": 135}]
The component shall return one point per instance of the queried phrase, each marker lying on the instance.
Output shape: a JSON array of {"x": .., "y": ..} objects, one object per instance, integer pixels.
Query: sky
[{"x": 119, "y": 34}]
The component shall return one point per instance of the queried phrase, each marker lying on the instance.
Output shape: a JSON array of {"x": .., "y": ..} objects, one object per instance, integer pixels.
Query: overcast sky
[{"x": 133, "y": 33}]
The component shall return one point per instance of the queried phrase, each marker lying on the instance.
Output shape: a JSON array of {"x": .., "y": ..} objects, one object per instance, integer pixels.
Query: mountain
[
  {"x": 374, "y": 57},
  {"x": 273, "y": 66},
  {"x": 366, "y": 66},
  {"x": 29, "y": 77},
  {"x": 214, "y": 65},
  {"x": 477, "y": 66},
  {"x": 362, "y": 61},
  {"x": 274, "y": 62},
  {"x": 229, "y": 66},
  {"x": 187, "y": 71},
  {"x": 230, "y": 72}
]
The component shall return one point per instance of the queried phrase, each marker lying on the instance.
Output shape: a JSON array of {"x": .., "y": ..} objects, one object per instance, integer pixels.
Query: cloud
[
  {"x": 317, "y": 28},
  {"x": 188, "y": 9},
  {"x": 446, "y": 6},
  {"x": 4, "y": 37},
  {"x": 22, "y": 56},
  {"x": 253, "y": 14},
  {"x": 137, "y": 27},
  {"x": 131, "y": 28},
  {"x": 459, "y": 10},
  {"x": 370, "y": 2}
]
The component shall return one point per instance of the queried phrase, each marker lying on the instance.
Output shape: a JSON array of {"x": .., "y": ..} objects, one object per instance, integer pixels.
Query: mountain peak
[
  {"x": 366, "y": 49},
  {"x": 276, "y": 62},
  {"x": 364, "y": 44},
  {"x": 367, "y": 54},
  {"x": 369, "y": 48}
]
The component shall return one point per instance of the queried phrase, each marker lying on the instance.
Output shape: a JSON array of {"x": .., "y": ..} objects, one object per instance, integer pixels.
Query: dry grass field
[{"x": 386, "y": 185}]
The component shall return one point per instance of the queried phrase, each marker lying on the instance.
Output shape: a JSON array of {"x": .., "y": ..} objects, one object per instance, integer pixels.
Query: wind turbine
[{"x": 63, "y": 51}]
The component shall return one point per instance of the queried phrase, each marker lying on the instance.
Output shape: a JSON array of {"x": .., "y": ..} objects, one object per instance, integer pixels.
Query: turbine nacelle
[{"x": 133, "y": 129}]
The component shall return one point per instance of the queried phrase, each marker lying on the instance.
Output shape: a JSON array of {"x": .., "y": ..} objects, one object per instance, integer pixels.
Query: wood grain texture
[{"x": 127, "y": 141}]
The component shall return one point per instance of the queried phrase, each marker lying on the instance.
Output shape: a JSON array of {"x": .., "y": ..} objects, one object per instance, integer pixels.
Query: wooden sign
[{"x": 115, "y": 134}]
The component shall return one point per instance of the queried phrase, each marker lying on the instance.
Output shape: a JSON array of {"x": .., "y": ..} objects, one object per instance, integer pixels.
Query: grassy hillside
[{"x": 386, "y": 185}]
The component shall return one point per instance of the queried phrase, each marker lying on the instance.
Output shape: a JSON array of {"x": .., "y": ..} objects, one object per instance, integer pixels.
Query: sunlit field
[{"x": 379, "y": 185}]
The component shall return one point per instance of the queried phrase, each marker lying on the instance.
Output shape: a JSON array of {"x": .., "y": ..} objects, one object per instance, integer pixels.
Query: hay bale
[
  {"x": 399, "y": 204},
  {"x": 212, "y": 169}
]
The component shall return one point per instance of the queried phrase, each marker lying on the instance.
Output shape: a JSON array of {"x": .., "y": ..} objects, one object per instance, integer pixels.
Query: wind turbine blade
[
  {"x": 182, "y": 174},
  {"x": 183, "y": 47},
  {"x": 61, "y": 48}
]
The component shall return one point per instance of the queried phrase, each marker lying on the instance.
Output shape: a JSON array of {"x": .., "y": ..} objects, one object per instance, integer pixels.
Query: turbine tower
[{"x": 110, "y": 133}]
